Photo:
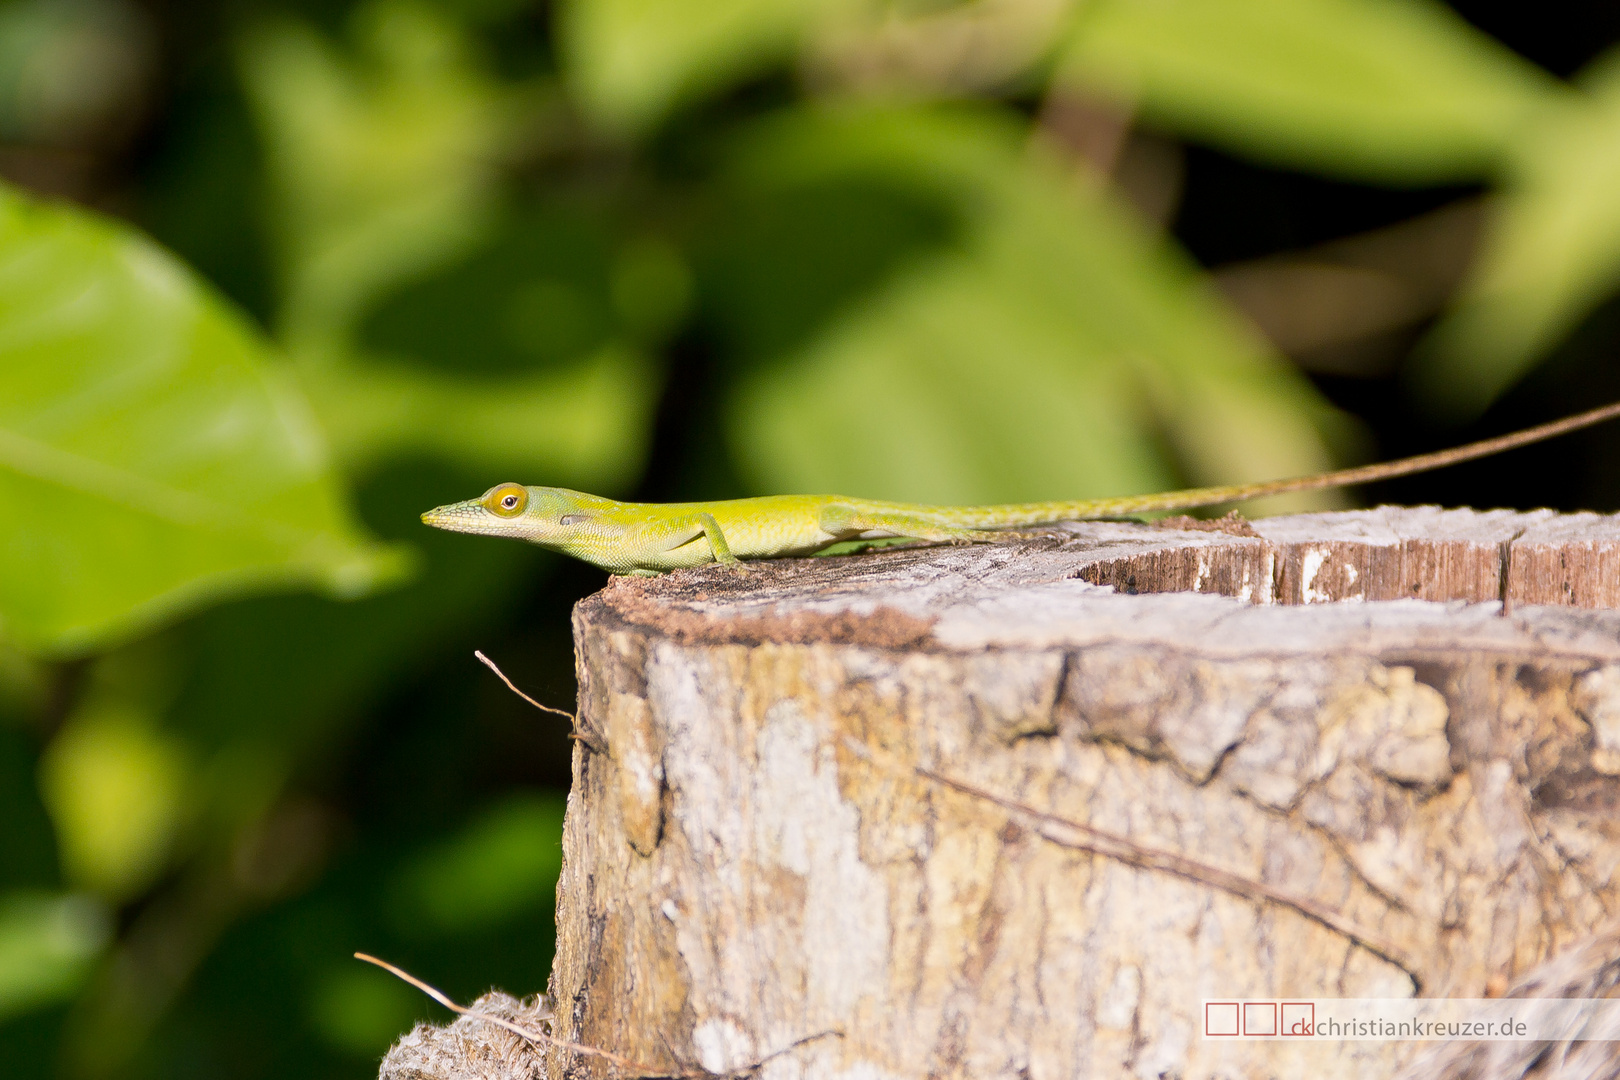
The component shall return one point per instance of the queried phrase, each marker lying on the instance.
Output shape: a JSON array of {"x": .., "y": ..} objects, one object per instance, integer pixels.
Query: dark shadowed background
[{"x": 275, "y": 278}]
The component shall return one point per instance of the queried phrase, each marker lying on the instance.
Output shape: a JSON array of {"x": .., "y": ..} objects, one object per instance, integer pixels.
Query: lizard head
[{"x": 540, "y": 515}]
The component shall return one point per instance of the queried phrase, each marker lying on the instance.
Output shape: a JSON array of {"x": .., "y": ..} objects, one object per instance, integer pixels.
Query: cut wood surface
[{"x": 1019, "y": 810}]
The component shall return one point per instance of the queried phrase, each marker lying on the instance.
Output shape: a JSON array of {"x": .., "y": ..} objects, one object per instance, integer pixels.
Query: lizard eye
[{"x": 506, "y": 500}]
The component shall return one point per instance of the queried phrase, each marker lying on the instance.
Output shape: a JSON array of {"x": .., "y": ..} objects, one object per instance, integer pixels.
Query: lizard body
[{"x": 654, "y": 538}]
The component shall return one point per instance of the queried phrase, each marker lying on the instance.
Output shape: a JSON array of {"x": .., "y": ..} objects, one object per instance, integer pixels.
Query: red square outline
[
  {"x": 1311, "y": 1024},
  {"x": 1237, "y": 1015},
  {"x": 1247, "y": 1005}
]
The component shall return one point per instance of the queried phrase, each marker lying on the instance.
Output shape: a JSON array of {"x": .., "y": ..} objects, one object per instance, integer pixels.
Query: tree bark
[{"x": 1018, "y": 810}]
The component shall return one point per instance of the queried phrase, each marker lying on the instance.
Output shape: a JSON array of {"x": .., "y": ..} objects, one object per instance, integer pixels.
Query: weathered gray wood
[{"x": 987, "y": 813}]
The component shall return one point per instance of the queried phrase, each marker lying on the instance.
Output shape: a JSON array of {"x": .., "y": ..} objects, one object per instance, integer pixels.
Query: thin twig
[
  {"x": 1114, "y": 846},
  {"x": 587, "y": 738},
  {"x": 501, "y": 1022},
  {"x": 642, "y": 1072},
  {"x": 501, "y": 675}
]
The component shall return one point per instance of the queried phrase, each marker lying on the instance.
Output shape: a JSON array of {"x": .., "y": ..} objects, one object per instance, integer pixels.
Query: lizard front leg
[{"x": 680, "y": 531}]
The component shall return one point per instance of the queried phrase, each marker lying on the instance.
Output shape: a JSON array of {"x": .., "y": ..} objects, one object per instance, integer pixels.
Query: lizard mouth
[{"x": 465, "y": 517}]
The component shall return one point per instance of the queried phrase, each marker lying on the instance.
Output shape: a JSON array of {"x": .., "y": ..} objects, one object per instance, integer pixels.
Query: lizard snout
[{"x": 467, "y": 516}]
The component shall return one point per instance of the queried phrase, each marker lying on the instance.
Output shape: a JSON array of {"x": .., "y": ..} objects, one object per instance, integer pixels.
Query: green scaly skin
[{"x": 655, "y": 538}]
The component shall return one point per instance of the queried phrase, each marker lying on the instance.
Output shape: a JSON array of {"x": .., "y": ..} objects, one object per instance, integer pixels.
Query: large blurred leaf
[
  {"x": 150, "y": 458},
  {"x": 1397, "y": 91},
  {"x": 1552, "y": 255},
  {"x": 630, "y": 60},
  {"x": 1048, "y": 354}
]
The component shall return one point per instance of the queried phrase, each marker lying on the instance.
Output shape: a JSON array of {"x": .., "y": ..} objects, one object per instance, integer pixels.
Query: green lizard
[{"x": 654, "y": 538}]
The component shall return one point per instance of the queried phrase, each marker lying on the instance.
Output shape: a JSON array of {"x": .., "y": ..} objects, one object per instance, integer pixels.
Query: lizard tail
[{"x": 1021, "y": 514}]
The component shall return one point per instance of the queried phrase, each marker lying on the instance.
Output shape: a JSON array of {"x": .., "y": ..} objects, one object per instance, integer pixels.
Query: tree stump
[{"x": 1018, "y": 810}]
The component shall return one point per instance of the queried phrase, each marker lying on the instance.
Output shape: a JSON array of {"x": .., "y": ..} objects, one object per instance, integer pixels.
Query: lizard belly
[{"x": 770, "y": 536}]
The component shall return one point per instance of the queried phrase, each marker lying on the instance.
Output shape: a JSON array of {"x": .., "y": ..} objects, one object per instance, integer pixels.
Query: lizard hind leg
[{"x": 854, "y": 523}]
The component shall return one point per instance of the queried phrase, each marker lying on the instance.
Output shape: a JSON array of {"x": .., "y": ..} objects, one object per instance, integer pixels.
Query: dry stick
[
  {"x": 1114, "y": 846},
  {"x": 501, "y": 675},
  {"x": 521, "y": 1032},
  {"x": 589, "y": 740}
]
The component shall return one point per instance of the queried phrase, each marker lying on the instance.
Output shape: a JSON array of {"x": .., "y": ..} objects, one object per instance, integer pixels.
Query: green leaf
[
  {"x": 47, "y": 947},
  {"x": 630, "y": 61},
  {"x": 1552, "y": 254},
  {"x": 1048, "y": 353},
  {"x": 1393, "y": 91},
  {"x": 151, "y": 460}
]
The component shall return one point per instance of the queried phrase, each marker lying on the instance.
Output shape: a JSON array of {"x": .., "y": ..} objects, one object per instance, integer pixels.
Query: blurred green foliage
[
  {"x": 289, "y": 273},
  {"x": 504, "y": 861},
  {"x": 965, "y": 376},
  {"x": 1554, "y": 254},
  {"x": 47, "y": 944},
  {"x": 1390, "y": 91},
  {"x": 140, "y": 407}
]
